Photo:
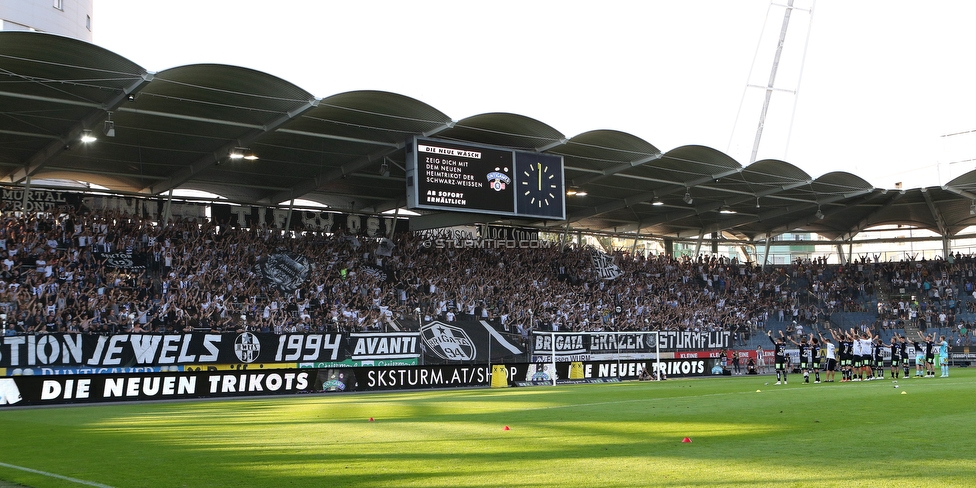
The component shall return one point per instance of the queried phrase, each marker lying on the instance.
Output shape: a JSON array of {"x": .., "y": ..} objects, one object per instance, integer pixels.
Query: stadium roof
[{"x": 176, "y": 128}]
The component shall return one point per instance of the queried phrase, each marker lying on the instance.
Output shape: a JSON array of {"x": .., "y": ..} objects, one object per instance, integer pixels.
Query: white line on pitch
[{"x": 58, "y": 476}]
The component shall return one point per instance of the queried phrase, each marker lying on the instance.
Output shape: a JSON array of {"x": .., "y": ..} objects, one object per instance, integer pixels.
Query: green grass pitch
[{"x": 743, "y": 432}]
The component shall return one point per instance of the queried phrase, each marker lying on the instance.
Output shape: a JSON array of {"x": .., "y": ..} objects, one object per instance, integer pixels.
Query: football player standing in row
[
  {"x": 896, "y": 359},
  {"x": 779, "y": 352}
]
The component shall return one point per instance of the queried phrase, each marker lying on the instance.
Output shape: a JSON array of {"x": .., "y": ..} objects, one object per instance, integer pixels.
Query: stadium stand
[{"x": 202, "y": 276}]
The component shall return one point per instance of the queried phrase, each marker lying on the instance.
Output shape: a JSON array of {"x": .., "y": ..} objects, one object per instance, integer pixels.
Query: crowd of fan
[
  {"x": 924, "y": 294},
  {"x": 189, "y": 276}
]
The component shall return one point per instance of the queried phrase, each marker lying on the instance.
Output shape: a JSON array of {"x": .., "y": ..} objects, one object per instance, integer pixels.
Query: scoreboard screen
[{"x": 461, "y": 177}]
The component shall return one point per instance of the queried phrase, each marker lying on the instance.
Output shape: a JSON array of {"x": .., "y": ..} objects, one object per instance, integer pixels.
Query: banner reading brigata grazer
[
  {"x": 133, "y": 350},
  {"x": 596, "y": 347}
]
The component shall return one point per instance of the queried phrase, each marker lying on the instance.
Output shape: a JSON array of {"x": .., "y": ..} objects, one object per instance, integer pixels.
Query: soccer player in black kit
[
  {"x": 845, "y": 351},
  {"x": 929, "y": 341},
  {"x": 805, "y": 359},
  {"x": 906, "y": 361},
  {"x": 878, "y": 369},
  {"x": 895, "y": 349},
  {"x": 779, "y": 352},
  {"x": 815, "y": 357}
]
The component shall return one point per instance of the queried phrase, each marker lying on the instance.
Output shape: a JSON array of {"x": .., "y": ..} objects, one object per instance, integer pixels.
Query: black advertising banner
[
  {"x": 94, "y": 388},
  {"x": 410, "y": 377},
  {"x": 466, "y": 341},
  {"x": 53, "y": 201},
  {"x": 145, "y": 207},
  {"x": 591, "y": 371},
  {"x": 595, "y": 346},
  {"x": 71, "y": 353},
  {"x": 502, "y": 233},
  {"x": 50, "y": 390},
  {"x": 374, "y": 349},
  {"x": 122, "y": 260},
  {"x": 673, "y": 340},
  {"x": 39, "y": 200},
  {"x": 127, "y": 350},
  {"x": 472, "y": 342},
  {"x": 306, "y": 220}
]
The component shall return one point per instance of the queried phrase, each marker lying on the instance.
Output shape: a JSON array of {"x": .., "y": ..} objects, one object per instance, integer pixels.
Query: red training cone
[
  {"x": 506, "y": 428},
  {"x": 686, "y": 439},
  {"x": 371, "y": 419}
]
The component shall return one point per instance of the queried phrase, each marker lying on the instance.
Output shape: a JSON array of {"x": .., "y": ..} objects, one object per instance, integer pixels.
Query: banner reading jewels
[{"x": 33, "y": 353}]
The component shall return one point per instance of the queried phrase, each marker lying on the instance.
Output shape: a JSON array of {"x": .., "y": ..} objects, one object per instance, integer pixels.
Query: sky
[{"x": 863, "y": 87}]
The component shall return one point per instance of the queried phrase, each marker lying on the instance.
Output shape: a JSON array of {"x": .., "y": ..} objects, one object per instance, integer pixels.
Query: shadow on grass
[{"x": 624, "y": 435}]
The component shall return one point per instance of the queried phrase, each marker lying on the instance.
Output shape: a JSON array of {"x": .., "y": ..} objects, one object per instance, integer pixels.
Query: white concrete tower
[{"x": 71, "y": 18}]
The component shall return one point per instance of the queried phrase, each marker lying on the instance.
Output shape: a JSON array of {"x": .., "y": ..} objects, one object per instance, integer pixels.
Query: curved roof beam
[
  {"x": 863, "y": 224},
  {"x": 939, "y": 219},
  {"x": 42, "y": 157},
  {"x": 318, "y": 181},
  {"x": 960, "y": 192},
  {"x": 185, "y": 174},
  {"x": 645, "y": 196},
  {"x": 731, "y": 202},
  {"x": 551, "y": 145},
  {"x": 590, "y": 178},
  {"x": 796, "y": 224}
]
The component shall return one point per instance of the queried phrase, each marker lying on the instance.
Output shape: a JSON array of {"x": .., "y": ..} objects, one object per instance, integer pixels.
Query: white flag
[
  {"x": 603, "y": 264},
  {"x": 385, "y": 248}
]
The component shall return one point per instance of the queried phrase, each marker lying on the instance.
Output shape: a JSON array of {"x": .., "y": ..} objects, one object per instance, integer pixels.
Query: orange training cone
[{"x": 686, "y": 439}]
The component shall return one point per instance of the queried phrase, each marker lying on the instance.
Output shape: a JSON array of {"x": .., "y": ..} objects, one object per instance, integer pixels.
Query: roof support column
[
  {"x": 945, "y": 247},
  {"x": 396, "y": 215},
  {"x": 291, "y": 208},
  {"x": 23, "y": 204},
  {"x": 633, "y": 248},
  {"x": 840, "y": 253},
  {"x": 166, "y": 208},
  {"x": 765, "y": 258},
  {"x": 745, "y": 252},
  {"x": 701, "y": 237},
  {"x": 562, "y": 240}
]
